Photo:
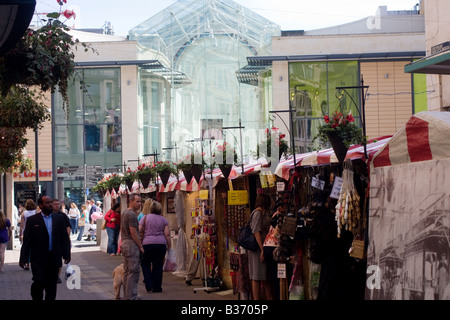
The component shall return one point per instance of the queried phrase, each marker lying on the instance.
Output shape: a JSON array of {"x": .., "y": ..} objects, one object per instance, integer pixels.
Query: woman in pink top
[{"x": 156, "y": 241}]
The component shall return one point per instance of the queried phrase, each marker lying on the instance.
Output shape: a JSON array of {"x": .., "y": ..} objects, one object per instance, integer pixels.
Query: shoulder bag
[
  {"x": 142, "y": 231},
  {"x": 246, "y": 238}
]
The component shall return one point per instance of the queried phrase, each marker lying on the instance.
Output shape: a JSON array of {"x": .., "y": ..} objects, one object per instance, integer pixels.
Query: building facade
[{"x": 308, "y": 66}]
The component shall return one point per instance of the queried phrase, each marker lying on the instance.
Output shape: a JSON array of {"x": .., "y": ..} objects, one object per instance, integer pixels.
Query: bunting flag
[{"x": 424, "y": 137}]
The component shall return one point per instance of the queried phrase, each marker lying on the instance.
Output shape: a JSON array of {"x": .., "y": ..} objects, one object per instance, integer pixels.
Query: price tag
[
  {"x": 281, "y": 274},
  {"x": 336, "y": 187},
  {"x": 280, "y": 186}
]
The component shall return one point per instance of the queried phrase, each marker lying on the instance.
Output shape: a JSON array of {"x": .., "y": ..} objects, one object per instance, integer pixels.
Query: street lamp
[{"x": 15, "y": 17}]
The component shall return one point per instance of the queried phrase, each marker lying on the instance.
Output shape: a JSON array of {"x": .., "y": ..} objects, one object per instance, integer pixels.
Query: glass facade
[
  {"x": 313, "y": 94},
  {"x": 208, "y": 42},
  {"x": 90, "y": 132}
]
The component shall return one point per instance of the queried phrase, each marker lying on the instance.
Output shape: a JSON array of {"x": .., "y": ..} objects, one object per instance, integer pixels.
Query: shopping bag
[{"x": 170, "y": 264}]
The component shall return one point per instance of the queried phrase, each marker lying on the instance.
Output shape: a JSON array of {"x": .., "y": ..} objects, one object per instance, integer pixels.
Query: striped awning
[
  {"x": 424, "y": 137},
  {"x": 180, "y": 183},
  {"x": 327, "y": 156}
]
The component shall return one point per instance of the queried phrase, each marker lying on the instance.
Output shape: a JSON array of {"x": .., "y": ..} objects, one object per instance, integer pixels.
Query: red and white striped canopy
[
  {"x": 327, "y": 156},
  {"x": 424, "y": 137}
]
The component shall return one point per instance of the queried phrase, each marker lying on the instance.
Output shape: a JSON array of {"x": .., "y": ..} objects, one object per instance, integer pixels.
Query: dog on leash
[{"x": 118, "y": 280}]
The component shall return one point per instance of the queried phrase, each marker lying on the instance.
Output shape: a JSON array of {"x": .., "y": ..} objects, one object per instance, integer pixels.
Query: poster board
[{"x": 409, "y": 232}]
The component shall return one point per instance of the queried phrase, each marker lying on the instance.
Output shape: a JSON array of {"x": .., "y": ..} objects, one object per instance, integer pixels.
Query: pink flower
[{"x": 327, "y": 119}]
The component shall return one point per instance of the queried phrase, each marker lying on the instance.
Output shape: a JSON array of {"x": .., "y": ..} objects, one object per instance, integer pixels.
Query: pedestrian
[
  {"x": 131, "y": 247},
  {"x": 5, "y": 235},
  {"x": 30, "y": 210},
  {"x": 270, "y": 243},
  {"x": 156, "y": 242},
  {"x": 259, "y": 222},
  {"x": 92, "y": 209},
  {"x": 74, "y": 215},
  {"x": 145, "y": 209},
  {"x": 112, "y": 218},
  {"x": 57, "y": 208},
  {"x": 46, "y": 242},
  {"x": 82, "y": 221}
]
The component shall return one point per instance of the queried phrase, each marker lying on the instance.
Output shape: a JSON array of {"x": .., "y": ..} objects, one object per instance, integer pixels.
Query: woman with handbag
[
  {"x": 156, "y": 241},
  {"x": 260, "y": 223}
]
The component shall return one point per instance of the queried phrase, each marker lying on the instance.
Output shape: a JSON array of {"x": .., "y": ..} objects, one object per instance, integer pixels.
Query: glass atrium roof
[{"x": 181, "y": 24}]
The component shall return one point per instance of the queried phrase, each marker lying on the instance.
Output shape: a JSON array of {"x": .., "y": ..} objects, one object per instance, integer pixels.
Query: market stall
[
  {"x": 409, "y": 215},
  {"x": 329, "y": 203}
]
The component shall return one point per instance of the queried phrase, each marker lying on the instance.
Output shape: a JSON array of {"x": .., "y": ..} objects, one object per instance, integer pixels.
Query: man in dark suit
[{"x": 45, "y": 242}]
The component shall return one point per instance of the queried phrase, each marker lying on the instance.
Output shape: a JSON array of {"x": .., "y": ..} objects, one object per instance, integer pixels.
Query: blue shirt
[{"x": 48, "y": 224}]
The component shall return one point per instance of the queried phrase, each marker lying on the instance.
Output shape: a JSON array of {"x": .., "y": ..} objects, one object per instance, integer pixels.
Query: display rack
[{"x": 205, "y": 240}]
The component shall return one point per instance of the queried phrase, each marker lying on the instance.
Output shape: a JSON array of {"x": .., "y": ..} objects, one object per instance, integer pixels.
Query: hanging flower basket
[
  {"x": 197, "y": 171},
  {"x": 164, "y": 169},
  {"x": 128, "y": 178},
  {"x": 129, "y": 182},
  {"x": 341, "y": 132},
  {"x": 338, "y": 146},
  {"x": 226, "y": 169},
  {"x": 145, "y": 179},
  {"x": 187, "y": 175},
  {"x": 165, "y": 175}
]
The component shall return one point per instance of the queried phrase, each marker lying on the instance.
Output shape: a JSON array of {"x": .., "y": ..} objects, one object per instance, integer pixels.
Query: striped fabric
[
  {"x": 424, "y": 137},
  {"x": 327, "y": 156}
]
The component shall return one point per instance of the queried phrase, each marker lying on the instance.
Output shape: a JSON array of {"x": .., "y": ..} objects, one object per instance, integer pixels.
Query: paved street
[{"x": 96, "y": 281}]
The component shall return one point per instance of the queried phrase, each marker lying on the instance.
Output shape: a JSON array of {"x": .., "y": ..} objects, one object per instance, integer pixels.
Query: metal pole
[{"x": 36, "y": 147}]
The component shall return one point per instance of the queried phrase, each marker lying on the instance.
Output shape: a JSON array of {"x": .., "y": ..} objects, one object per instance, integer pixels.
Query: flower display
[
  {"x": 146, "y": 168},
  {"x": 166, "y": 166},
  {"x": 225, "y": 150},
  {"x": 282, "y": 143},
  {"x": 339, "y": 125}
]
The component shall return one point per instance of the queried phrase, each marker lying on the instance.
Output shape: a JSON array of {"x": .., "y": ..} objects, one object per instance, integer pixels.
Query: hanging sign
[
  {"x": 271, "y": 180},
  {"x": 336, "y": 188},
  {"x": 203, "y": 194},
  {"x": 263, "y": 179},
  {"x": 237, "y": 197}
]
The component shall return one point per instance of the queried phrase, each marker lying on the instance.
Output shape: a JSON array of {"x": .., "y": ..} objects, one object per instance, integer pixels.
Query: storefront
[{"x": 327, "y": 257}]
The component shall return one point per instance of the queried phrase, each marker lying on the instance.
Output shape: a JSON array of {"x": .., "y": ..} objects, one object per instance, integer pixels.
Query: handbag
[
  {"x": 246, "y": 238},
  {"x": 142, "y": 231}
]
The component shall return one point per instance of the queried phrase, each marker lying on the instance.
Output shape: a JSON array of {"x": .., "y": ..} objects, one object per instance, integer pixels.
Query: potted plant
[
  {"x": 190, "y": 168},
  {"x": 42, "y": 59},
  {"x": 129, "y": 177},
  {"x": 225, "y": 152},
  {"x": 341, "y": 132},
  {"x": 101, "y": 187},
  {"x": 164, "y": 169},
  {"x": 267, "y": 143},
  {"x": 145, "y": 173},
  {"x": 113, "y": 182}
]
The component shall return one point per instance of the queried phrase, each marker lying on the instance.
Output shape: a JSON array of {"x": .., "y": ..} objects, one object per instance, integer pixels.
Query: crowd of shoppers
[{"x": 140, "y": 234}]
